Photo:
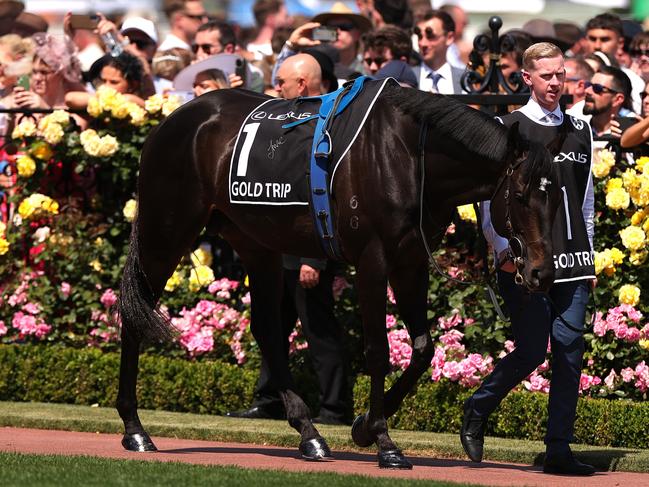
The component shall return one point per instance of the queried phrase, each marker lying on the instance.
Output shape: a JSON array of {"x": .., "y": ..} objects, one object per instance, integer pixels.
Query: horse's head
[{"x": 524, "y": 206}]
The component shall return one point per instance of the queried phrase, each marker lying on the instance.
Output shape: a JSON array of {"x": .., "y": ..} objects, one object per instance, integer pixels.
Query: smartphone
[
  {"x": 84, "y": 22},
  {"x": 240, "y": 70},
  {"x": 23, "y": 81},
  {"x": 325, "y": 34}
]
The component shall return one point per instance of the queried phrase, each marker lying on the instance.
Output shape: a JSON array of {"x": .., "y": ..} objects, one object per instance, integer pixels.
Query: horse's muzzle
[{"x": 539, "y": 279}]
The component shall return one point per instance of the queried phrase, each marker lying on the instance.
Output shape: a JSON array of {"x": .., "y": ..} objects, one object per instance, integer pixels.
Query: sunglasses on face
[
  {"x": 599, "y": 89},
  {"x": 141, "y": 44},
  {"x": 428, "y": 33},
  {"x": 204, "y": 47},
  {"x": 640, "y": 52},
  {"x": 196, "y": 16},
  {"x": 344, "y": 27},
  {"x": 643, "y": 95},
  {"x": 378, "y": 60}
]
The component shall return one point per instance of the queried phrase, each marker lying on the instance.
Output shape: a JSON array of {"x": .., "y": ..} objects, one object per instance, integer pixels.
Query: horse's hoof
[
  {"x": 393, "y": 459},
  {"x": 315, "y": 449},
  {"x": 359, "y": 433},
  {"x": 138, "y": 442}
]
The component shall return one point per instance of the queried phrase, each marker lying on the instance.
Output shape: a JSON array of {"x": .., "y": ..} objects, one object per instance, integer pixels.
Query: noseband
[{"x": 517, "y": 245}]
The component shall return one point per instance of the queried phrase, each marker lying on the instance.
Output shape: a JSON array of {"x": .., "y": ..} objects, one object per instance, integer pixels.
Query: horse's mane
[{"x": 451, "y": 120}]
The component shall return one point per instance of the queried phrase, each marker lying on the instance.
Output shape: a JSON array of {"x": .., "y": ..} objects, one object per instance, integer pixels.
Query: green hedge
[{"x": 89, "y": 376}]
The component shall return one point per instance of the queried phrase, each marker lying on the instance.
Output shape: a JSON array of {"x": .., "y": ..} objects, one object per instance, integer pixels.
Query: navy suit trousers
[{"x": 533, "y": 322}]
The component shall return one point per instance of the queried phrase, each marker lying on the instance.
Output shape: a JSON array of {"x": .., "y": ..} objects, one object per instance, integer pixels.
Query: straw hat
[{"x": 340, "y": 11}]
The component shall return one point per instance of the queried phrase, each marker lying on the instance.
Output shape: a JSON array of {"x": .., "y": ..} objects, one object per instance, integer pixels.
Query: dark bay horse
[{"x": 398, "y": 201}]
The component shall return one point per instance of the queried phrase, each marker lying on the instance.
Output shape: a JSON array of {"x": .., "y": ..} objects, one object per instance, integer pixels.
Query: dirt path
[{"x": 271, "y": 457}]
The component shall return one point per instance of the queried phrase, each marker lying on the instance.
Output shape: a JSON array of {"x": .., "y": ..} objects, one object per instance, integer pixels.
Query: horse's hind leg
[
  {"x": 409, "y": 281},
  {"x": 265, "y": 275},
  {"x": 372, "y": 427}
]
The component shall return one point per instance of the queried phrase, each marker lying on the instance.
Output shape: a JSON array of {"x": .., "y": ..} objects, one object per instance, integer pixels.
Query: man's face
[
  {"x": 207, "y": 43},
  {"x": 600, "y": 97},
  {"x": 348, "y": 34},
  {"x": 604, "y": 40},
  {"x": 546, "y": 79},
  {"x": 375, "y": 58},
  {"x": 433, "y": 41},
  {"x": 641, "y": 61},
  {"x": 142, "y": 43},
  {"x": 571, "y": 79},
  {"x": 191, "y": 18},
  {"x": 287, "y": 82},
  {"x": 281, "y": 18}
]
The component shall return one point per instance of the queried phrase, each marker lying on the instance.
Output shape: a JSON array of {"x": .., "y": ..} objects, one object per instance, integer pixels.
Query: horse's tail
[{"x": 138, "y": 309}]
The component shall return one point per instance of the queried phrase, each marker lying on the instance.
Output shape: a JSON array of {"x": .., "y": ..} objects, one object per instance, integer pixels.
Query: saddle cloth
[{"x": 270, "y": 163}]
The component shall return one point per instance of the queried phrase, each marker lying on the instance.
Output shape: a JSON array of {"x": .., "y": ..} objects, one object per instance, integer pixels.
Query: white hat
[
  {"x": 184, "y": 80},
  {"x": 141, "y": 24}
]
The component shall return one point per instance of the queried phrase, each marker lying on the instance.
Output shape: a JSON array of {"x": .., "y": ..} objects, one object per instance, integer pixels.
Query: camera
[{"x": 325, "y": 34}]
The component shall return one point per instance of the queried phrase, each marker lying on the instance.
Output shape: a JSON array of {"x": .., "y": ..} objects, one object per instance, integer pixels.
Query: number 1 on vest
[{"x": 251, "y": 131}]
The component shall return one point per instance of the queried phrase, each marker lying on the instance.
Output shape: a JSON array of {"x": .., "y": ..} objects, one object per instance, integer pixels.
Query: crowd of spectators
[{"x": 607, "y": 58}]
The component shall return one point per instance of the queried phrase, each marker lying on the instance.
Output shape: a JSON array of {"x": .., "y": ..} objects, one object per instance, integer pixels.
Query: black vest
[{"x": 573, "y": 257}]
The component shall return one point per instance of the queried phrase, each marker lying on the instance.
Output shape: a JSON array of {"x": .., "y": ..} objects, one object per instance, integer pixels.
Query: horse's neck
[{"x": 461, "y": 177}]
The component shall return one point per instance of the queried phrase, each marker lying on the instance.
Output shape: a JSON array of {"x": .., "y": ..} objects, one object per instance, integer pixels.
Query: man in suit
[
  {"x": 534, "y": 319},
  {"x": 435, "y": 31}
]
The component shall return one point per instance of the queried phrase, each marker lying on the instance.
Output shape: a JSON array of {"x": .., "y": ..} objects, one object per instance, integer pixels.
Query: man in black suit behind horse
[{"x": 307, "y": 289}]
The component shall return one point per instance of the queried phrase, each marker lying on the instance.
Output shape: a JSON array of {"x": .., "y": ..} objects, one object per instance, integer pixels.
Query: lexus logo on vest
[{"x": 571, "y": 157}]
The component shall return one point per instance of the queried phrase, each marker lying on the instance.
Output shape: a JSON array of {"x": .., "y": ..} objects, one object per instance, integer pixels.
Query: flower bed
[{"x": 64, "y": 240}]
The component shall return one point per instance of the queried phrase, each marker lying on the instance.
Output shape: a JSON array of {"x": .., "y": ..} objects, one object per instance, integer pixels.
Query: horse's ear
[{"x": 554, "y": 146}]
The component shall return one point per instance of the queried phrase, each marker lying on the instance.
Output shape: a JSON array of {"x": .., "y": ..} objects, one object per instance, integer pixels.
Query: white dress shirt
[
  {"x": 445, "y": 83},
  {"x": 540, "y": 115}
]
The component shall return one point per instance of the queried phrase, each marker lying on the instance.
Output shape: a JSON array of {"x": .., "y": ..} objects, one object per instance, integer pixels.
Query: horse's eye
[{"x": 519, "y": 196}]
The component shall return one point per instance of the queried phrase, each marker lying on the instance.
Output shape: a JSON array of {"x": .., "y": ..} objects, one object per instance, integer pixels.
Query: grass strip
[
  {"x": 19, "y": 470},
  {"x": 220, "y": 428}
]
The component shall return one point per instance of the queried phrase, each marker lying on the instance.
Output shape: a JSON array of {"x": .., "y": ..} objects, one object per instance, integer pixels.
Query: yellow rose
[
  {"x": 629, "y": 294},
  {"x": 617, "y": 256},
  {"x": 638, "y": 217},
  {"x": 617, "y": 198},
  {"x": 130, "y": 208},
  {"x": 86, "y": 135},
  {"x": 200, "y": 276},
  {"x": 138, "y": 114},
  {"x": 95, "y": 265},
  {"x": 605, "y": 156},
  {"x": 26, "y": 128},
  {"x": 613, "y": 183},
  {"x": 94, "y": 107},
  {"x": 633, "y": 238},
  {"x": 201, "y": 256},
  {"x": 174, "y": 281},
  {"x": 600, "y": 170},
  {"x": 108, "y": 145},
  {"x": 603, "y": 260},
  {"x": 99, "y": 242},
  {"x": 26, "y": 166},
  {"x": 641, "y": 163},
  {"x": 4, "y": 246},
  {"x": 638, "y": 258},
  {"x": 170, "y": 104},
  {"x": 630, "y": 180},
  {"x": 644, "y": 344},
  {"x": 41, "y": 150},
  {"x": 467, "y": 213},
  {"x": 53, "y": 133},
  {"x": 153, "y": 104},
  {"x": 36, "y": 204},
  {"x": 120, "y": 111}
]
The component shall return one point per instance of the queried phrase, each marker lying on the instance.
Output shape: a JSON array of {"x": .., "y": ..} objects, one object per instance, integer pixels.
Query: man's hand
[
  {"x": 303, "y": 36},
  {"x": 235, "y": 80},
  {"x": 616, "y": 130},
  {"x": 309, "y": 277}
]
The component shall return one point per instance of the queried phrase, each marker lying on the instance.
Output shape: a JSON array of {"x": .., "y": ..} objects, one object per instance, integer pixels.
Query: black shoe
[
  {"x": 258, "y": 412},
  {"x": 472, "y": 433},
  {"x": 566, "y": 464}
]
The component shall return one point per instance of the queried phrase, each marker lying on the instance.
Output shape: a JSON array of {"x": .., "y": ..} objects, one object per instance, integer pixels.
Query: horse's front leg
[
  {"x": 135, "y": 437},
  {"x": 372, "y": 427},
  {"x": 265, "y": 275}
]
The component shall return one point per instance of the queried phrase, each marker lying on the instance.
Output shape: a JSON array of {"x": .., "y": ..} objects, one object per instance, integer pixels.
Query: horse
[{"x": 398, "y": 184}]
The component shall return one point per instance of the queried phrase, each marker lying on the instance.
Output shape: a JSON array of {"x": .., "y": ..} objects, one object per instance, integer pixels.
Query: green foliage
[{"x": 437, "y": 407}]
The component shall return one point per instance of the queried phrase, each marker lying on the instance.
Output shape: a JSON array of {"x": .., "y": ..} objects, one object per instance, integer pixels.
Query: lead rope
[{"x": 492, "y": 295}]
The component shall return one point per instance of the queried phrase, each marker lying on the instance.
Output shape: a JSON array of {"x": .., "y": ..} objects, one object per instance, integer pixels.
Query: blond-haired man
[{"x": 534, "y": 318}]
